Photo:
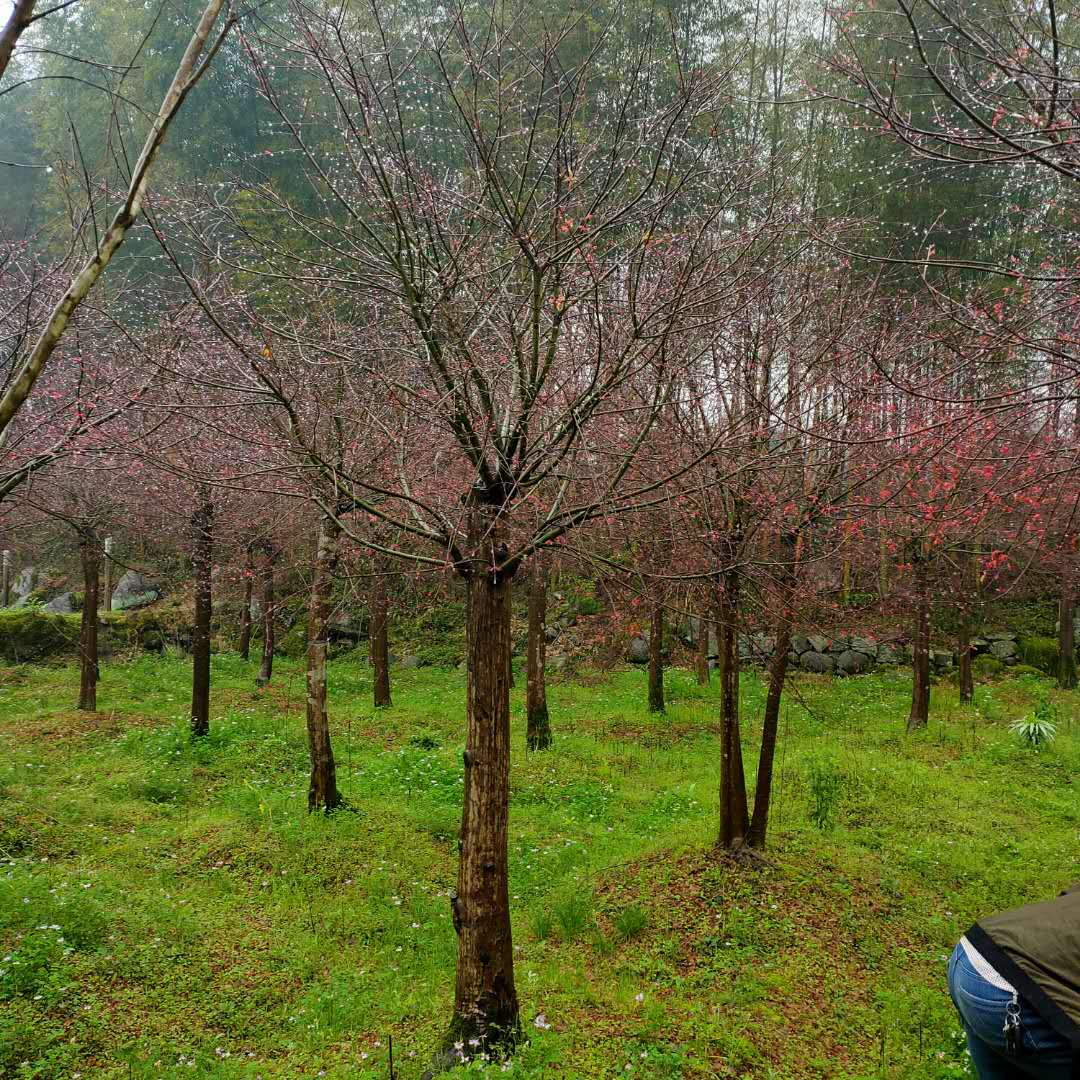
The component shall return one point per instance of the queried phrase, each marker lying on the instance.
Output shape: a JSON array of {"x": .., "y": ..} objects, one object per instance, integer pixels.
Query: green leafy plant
[
  {"x": 1039, "y": 728},
  {"x": 630, "y": 922},
  {"x": 1039, "y": 652},
  {"x": 826, "y": 782}
]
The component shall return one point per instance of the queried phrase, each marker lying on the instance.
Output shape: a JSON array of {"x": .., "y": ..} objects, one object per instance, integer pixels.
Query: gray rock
[
  {"x": 550, "y": 634},
  {"x": 818, "y": 643},
  {"x": 1003, "y": 648},
  {"x": 941, "y": 659},
  {"x": 411, "y": 662},
  {"x": 865, "y": 646},
  {"x": 763, "y": 645},
  {"x": 1000, "y": 635},
  {"x": 61, "y": 604},
  {"x": 134, "y": 590},
  {"x": 24, "y": 583},
  {"x": 850, "y": 662},
  {"x": 817, "y": 662},
  {"x": 979, "y": 645},
  {"x": 800, "y": 643},
  {"x": 638, "y": 652},
  {"x": 556, "y": 663},
  {"x": 886, "y": 654}
]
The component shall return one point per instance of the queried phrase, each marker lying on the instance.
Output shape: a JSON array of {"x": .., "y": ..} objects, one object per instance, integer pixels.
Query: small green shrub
[
  {"x": 1039, "y": 652},
  {"x": 542, "y": 924},
  {"x": 630, "y": 922},
  {"x": 588, "y": 605},
  {"x": 1039, "y": 728},
  {"x": 826, "y": 782},
  {"x": 574, "y": 914},
  {"x": 30, "y": 634},
  {"x": 986, "y": 667}
]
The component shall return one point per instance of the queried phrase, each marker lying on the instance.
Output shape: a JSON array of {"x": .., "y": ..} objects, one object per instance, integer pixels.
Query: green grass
[{"x": 171, "y": 910}]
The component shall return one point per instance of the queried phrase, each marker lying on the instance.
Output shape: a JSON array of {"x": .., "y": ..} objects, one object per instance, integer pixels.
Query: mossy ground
[{"x": 171, "y": 910}]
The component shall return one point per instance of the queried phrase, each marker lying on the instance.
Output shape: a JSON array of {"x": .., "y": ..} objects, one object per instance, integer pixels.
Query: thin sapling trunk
[
  {"x": 538, "y": 723},
  {"x": 322, "y": 791},
  {"x": 656, "y": 659},
  {"x": 202, "y": 534},
  {"x": 90, "y": 555}
]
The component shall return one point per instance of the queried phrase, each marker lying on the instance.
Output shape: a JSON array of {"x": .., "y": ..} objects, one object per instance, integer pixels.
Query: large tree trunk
[
  {"x": 90, "y": 554},
  {"x": 702, "y": 653},
  {"x": 759, "y": 823},
  {"x": 380, "y": 637},
  {"x": 266, "y": 669},
  {"x": 734, "y": 815},
  {"x": 202, "y": 530},
  {"x": 485, "y": 999},
  {"x": 538, "y": 723},
  {"x": 1066, "y": 672},
  {"x": 244, "y": 645},
  {"x": 322, "y": 791},
  {"x": 656, "y": 659},
  {"x": 920, "y": 690}
]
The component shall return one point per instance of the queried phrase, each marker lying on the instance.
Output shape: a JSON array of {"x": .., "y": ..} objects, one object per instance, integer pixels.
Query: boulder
[
  {"x": 411, "y": 662},
  {"x": 979, "y": 645},
  {"x": 850, "y": 662},
  {"x": 818, "y": 643},
  {"x": 556, "y": 663},
  {"x": 941, "y": 659},
  {"x": 134, "y": 590},
  {"x": 763, "y": 646},
  {"x": 886, "y": 654},
  {"x": 550, "y": 634},
  {"x": 865, "y": 646},
  {"x": 1000, "y": 635},
  {"x": 61, "y": 604},
  {"x": 1003, "y": 648},
  {"x": 24, "y": 583},
  {"x": 638, "y": 651},
  {"x": 800, "y": 643},
  {"x": 817, "y": 662}
]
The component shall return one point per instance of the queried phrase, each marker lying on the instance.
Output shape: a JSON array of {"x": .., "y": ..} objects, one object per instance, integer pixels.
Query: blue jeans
[{"x": 1041, "y": 1052}]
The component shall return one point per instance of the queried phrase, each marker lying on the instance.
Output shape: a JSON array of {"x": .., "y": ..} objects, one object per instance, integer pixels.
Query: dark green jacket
[{"x": 1037, "y": 949}]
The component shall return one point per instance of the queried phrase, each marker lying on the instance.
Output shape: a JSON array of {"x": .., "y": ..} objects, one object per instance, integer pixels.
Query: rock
[
  {"x": 817, "y": 662},
  {"x": 763, "y": 646},
  {"x": 979, "y": 645},
  {"x": 61, "y": 604},
  {"x": 1002, "y": 648},
  {"x": 850, "y": 662},
  {"x": 556, "y": 663},
  {"x": 134, "y": 590},
  {"x": 817, "y": 643},
  {"x": 343, "y": 628},
  {"x": 886, "y": 654},
  {"x": 411, "y": 662},
  {"x": 864, "y": 646},
  {"x": 941, "y": 659},
  {"x": 1000, "y": 635},
  {"x": 800, "y": 643},
  {"x": 638, "y": 652},
  {"x": 24, "y": 583},
  {"x": 551, "y": 633}
]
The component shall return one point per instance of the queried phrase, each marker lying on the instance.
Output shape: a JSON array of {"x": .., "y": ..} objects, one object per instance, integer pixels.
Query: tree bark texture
[
  {"x": 485, "y": 998},
  {"x": 656, "y": 659},
  {"x": 202, "y": 534},
  {"x": 380, "y": 634},
  {"x": 538, "y": 722},
  {"x": 963, "y": 660},
  {"x": 1066, "y": 672},
  {"x": 920, "y": 690},
  {"x": 105, "y": 597},
  {"x": 266, "y": 668},
  {"x": 734, "y": 814},
  {"x": 778, "y": 665},
  {"x": 322, "y": 791},
  {"x": 90, "y": 555},
  {"x": 244, "y": 645}
]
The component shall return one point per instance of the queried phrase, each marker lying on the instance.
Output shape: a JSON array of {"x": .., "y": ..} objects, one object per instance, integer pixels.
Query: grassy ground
[{"x": 169, "y": 909}]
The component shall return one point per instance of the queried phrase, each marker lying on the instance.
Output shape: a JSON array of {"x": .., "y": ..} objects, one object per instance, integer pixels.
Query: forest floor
[{"x": 171, "y": 910}]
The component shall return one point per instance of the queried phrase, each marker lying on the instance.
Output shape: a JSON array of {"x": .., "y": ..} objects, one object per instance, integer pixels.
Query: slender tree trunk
[
  {"x": 734, "y": 814},
  {"x": 266, "y": 669},
  {"x": 5, "y": 578},
  {"x": 656, "y": 659},
  {"x": 920, "y": 691},
  {"x": 380, "y": 638},
  {"x": 322, "y": 791},
  {"x": 244, "y": 645},
  {"x": 485, "y": 998},
  {"x": 202, "y": 530},
  {"x": 759, "y": 823},
  {"x": 538, "y": 723},
  {"x": 105, "y": 599},
  {"x": 702, "y": 652},
  {"x": 963, "y": 654},
  {"x": 90, "y": 554},
  {"x": 1066, "y": 672}
]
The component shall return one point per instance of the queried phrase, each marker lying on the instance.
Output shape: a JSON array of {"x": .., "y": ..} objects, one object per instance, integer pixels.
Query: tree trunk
[
  {"x": 322, "y": 791},
  {"x": 963, "y": 654},
  {"x": 90, "y": 554},
  {"x": 244, "y": 645},
  {"x": 920, "y": 690},
  {"x": 380, "y": 642},
  {"x": 1066, "y": 672},
  {"x": 485, "y": 999},
  {"x": 538, "y": 723},
  {"x": 759, "y": 823},
  {"x": 734, "y": 815},
  {"x": 202, "y": 530},
  {"x": 105, "y": 599},
  {"x": 656, "y": 659},
  {"x": 266, "y": 669},
  {"x": 702, "y": 654}
]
